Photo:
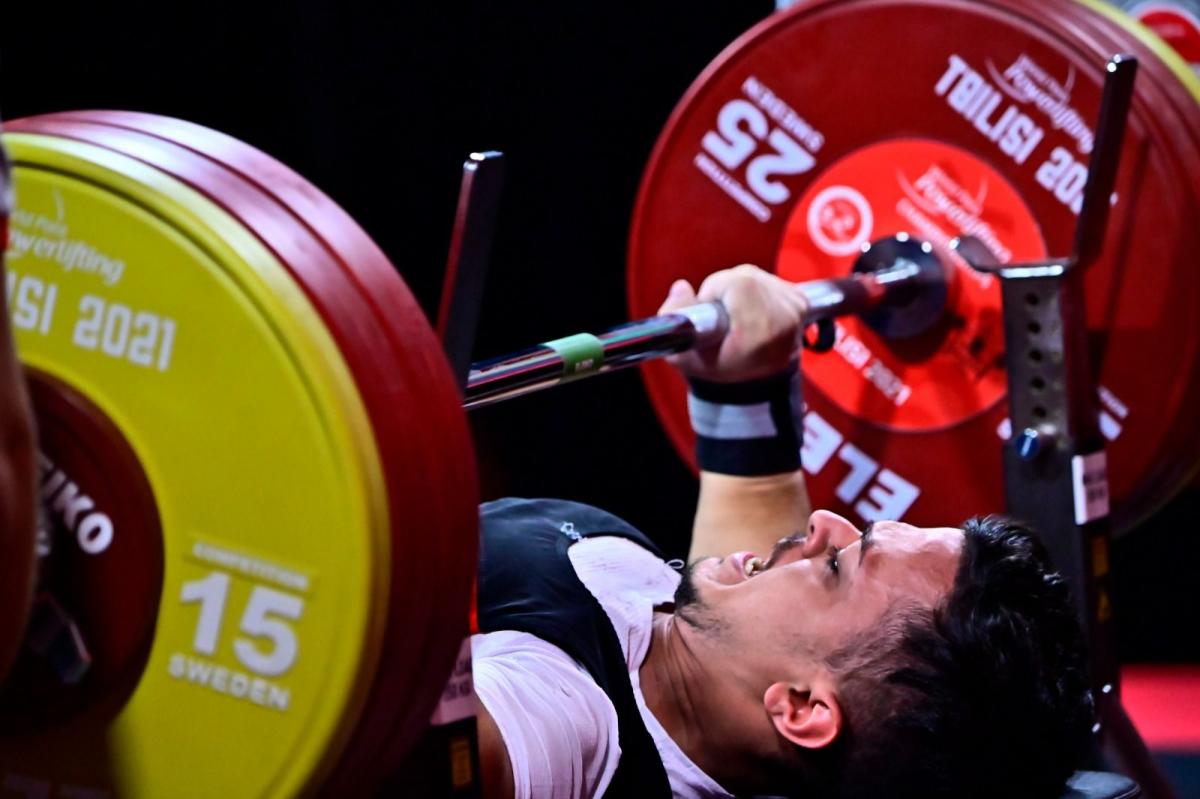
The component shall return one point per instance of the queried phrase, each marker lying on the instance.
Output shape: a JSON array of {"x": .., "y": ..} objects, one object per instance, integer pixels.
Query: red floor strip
[{"x": 1164, "y": 703}]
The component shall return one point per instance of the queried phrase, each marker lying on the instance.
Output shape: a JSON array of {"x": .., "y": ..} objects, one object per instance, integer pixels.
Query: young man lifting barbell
[{"x": 796, "y": 655}]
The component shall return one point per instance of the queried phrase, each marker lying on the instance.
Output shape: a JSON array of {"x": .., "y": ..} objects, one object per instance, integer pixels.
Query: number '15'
[{"x": 212, "y": 592}]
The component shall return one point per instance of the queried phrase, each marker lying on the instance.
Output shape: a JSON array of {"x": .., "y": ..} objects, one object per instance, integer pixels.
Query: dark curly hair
[{"x": 985, "y": 695}]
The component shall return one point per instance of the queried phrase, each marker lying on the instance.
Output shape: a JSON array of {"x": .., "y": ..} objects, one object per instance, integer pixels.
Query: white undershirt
[{"x": 559, "y": 728}]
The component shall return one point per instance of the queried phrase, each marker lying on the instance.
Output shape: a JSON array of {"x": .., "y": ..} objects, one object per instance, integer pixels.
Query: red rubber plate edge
[{"x": 409, "y": 678}]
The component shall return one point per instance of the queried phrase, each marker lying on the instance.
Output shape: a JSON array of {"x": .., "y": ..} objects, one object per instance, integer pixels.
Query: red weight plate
[
  {"x": 380, "y": 331},
  {"x": 844, "y": 121}
]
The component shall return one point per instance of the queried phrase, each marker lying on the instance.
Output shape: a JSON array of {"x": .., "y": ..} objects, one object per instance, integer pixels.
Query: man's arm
[
  {"x": 494, "y": 766},
  {"x": 738, "y": 512},
  {"x": 747, "y": 513}
]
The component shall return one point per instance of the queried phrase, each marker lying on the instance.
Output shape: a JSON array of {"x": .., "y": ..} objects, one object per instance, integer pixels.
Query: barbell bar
[{"x": 910, "y": 285}]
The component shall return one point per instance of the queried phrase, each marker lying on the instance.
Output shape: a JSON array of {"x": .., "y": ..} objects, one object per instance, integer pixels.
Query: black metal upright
[
  {"x": 1055, "y": 467},
  {"x": 467, "y": 264},
  {"x": 444, "y": 762}
]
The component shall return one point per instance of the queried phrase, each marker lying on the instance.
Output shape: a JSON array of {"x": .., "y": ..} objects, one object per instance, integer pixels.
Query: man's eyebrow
[{"x": 866, "y": 542}]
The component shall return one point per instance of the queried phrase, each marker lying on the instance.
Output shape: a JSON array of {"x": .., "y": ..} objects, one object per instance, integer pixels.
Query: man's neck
[{"x": 670, "y": 677}]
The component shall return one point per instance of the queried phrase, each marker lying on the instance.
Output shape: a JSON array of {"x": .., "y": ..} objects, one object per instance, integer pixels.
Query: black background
[{"x": 379, "y": 104}]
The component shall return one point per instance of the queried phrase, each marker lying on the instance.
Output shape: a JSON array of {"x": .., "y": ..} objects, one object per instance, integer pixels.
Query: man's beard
[{"x": 690, "y": 607}]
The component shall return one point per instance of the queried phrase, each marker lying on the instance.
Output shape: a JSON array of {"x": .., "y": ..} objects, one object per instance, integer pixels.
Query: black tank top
[{"x": 527, "y": 583}]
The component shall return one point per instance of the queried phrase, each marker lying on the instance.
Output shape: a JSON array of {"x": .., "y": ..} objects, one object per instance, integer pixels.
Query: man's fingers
[
  {"x": 681, "y": 295},
  {"x": 745, "y": 280},
  {"x": 718, "y": 285},
  {"x": 765, "y": 317}
]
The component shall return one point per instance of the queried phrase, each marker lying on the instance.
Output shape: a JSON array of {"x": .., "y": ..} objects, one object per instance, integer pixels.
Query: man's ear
[{"x": 807, "y": 716}]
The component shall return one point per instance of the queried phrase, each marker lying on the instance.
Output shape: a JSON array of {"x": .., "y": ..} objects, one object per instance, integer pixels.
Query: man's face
[{"x": 815, "y": 591}]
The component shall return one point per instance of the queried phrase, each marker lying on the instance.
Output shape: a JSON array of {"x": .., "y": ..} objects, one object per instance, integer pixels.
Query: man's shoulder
[{"x": 556, "y": 518}]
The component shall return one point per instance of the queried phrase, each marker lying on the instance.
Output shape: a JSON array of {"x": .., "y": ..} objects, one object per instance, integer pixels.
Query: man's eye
[{"x": 831, "y": 561}]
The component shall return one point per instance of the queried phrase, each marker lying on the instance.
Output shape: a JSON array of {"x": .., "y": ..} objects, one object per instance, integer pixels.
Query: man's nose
[{"x": 826, "y": 529}]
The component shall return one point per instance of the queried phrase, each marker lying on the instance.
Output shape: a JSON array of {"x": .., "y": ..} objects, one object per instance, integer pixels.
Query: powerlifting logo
[
  {"x": 936, "y": 194},
  {"x": 1026, "y": 82},
  {"x": 49, "y": 239}
]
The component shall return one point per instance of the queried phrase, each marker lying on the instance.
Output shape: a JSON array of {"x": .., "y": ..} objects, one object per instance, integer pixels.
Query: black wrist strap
[{"x": 748, "y": 429}]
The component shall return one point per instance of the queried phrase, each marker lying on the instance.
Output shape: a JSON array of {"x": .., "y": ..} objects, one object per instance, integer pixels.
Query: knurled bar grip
[{"x": 697, "y": 326}]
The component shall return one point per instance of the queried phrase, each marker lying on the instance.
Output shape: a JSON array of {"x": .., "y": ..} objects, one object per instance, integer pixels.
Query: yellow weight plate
[{"x": 197, "y": 345}]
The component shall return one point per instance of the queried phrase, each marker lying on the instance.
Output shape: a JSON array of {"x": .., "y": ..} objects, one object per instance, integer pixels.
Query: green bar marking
[{"x": 582, "y": 354}]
